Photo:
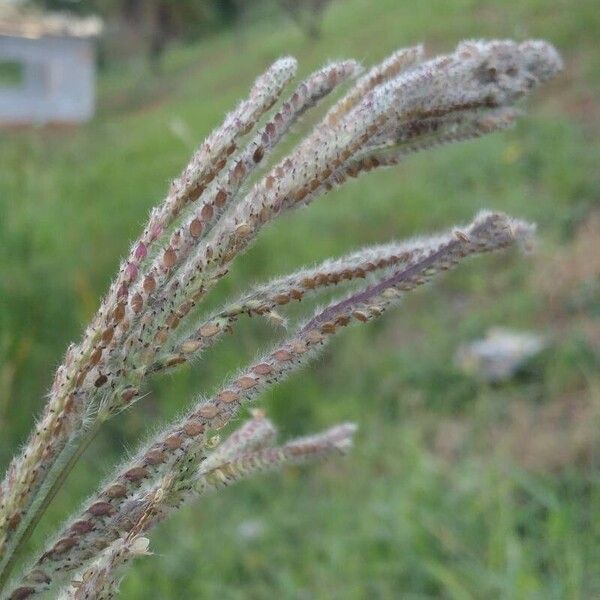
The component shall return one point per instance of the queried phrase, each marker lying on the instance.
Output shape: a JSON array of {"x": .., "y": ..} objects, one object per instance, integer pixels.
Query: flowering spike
[
  {"x": 403, "y": 105},
  {"x": 190, "y": 437}
]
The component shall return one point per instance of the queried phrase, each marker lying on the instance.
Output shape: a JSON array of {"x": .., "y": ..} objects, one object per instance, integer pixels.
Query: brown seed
[
  {"x": 107, "y": 335},
  {"x": 296, "y": 294},
  {"x": 196, "y": 192},
  {"x": 239, "y": 170},
  {"x": 207, "y": 212},
  {"x": 298, "y": 347},
  {"x": 14, "y": 520},
  {"x": 209, "y": 411},
  {"x": 342, "y": 320},
  {"x": 246, "y": 382},
  {"x": 39, "y": 576},
  {"x": 193, "y": 428},
  {"x": 185, "y": 308},
  {"x": 149, "y": 284},
  {"x": 264, "y": 214},
  {"x": 209, "y": 330},
  {"x": 359, "y": 315},
  {"x": 172, "y": 321},
  {"x": 328, "y": 328},
  {"x": 69, "y": 404},
  {"x": 461, "y": 236},
  {"x": 161, "y": 336},
  {"x": 169, "y": 258},
  {"x": 190, "y": 346},
  {"x": 96, "y": 356},
  {"x": 22, "y": 593},
  {"x": 81, "y": 527},
  {"x": 281, "y": 299},
  {"x": 101, "y": 381},
  {"x": 221, "y": 198},
  {"x": 119, "y": 312},
  {"x": 262, "y": 369},
  {"x": 258, "y": 154},
  {"x": 242, "y": 230},
  {"x": 308, "y": 283},
  {"x": 136, "y": 474},
  {"x": 173, "y": 442},
  {"x": 228, "y": 396},
  {"x": 137, "y": 303},
  {"x": 282, "y": 355},
  {"x": 196, "y": 228},
  {"x": 230, "y": 254},
  {"x": 128, "y": 395},
  {"x": 269, "y": 182},
  {"x": 270, "y": 129},
  {"x": 314, "y": 337},
  {"x": 175, "y": 360},
  {"x": 118, "y": 490},
  {"x": 300, "y": 195},
  {"x": 101, "y": 509},
  {"x": 154, "y": 457}
]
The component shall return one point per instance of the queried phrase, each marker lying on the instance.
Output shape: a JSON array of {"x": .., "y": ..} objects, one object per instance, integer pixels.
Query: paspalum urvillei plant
[{"x": 147, "y": 323}]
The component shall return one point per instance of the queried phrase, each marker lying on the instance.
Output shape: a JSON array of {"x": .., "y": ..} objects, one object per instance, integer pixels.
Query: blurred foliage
[{"x": 456, "y": 489}]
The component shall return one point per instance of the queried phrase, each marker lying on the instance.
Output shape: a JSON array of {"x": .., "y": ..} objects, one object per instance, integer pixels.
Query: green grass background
[{"x": 455, "y": 489}]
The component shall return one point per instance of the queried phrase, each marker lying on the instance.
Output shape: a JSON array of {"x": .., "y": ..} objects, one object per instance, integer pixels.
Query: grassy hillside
[{"x": 456, "y": 489}]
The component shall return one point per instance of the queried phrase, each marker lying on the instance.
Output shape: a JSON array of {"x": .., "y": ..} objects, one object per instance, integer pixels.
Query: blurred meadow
[{"x": 456, "y": 488}]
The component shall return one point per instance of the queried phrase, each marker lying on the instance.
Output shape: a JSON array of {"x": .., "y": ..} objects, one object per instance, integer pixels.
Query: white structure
[{"x": 47, "y": 68}]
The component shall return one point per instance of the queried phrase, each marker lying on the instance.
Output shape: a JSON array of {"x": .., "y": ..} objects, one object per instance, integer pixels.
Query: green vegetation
[
  {"x": 455, "y": 489},
  {"x": 11, "y": 74}
]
